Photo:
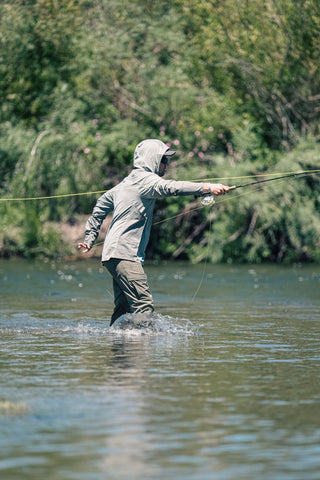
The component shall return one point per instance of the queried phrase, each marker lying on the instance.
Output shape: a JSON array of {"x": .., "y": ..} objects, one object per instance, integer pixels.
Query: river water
[{"x": 225, "y": 386}]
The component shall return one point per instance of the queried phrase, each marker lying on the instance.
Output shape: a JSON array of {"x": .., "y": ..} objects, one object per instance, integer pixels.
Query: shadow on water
[{"x": 222, "y": 387}]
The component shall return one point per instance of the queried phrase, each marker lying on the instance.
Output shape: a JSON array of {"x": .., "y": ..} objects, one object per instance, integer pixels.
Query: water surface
[{"x": 225, "y": 387}]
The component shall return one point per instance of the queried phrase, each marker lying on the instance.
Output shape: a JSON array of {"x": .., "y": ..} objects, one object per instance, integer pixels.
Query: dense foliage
[{"x": 233, "y": 85}]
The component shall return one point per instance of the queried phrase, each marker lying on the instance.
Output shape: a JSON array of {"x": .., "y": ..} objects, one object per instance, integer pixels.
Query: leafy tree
[
  {"x": 232, "y": 85},
  {"x": 37, "y": 39},
  {"x": 265, "y": 56}
]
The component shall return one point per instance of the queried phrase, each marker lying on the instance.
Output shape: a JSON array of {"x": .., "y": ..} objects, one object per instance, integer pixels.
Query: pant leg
[
  {"x": 131, "y": 280},
  {"x": 121, "y": 306}
]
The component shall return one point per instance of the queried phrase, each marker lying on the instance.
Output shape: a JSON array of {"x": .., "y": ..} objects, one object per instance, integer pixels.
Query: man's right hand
[
  {"x": 216, "y": 188},
  {"x": 85, "y": 247}
]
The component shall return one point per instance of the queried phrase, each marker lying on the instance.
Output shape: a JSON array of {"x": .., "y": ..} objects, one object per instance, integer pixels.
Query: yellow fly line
[
  {"x": 21, "y": 199},
  {"x": 222, "y": 200},
  {"x": 299, "y": 172}
]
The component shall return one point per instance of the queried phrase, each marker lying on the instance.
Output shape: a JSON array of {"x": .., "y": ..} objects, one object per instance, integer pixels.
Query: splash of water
[
  {"x": 155, "y": 324},
  {"x": 129, "y": 325}
]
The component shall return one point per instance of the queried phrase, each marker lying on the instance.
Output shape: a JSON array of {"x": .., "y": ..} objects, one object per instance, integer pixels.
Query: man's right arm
[{"x": 167, "y": 188}]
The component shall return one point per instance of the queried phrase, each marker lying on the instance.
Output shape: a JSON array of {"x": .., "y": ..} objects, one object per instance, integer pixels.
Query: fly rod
[
  {"x": 274, "y": 178},
  {"x": 208, "y": 199}
]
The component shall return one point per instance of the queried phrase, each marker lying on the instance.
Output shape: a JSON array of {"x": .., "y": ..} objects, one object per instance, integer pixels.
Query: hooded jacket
[{"x": 132, "y": 203}]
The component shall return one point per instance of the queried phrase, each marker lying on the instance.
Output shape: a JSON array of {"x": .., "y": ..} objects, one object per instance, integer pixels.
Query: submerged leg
[
  {"x": 130, "y": 288},
  {"x": 121, "y": 305},
  {"x": 134, "y": 284}
]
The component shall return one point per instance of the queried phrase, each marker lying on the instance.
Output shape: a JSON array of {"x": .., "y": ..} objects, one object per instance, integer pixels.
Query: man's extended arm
[{"x": 168, "y": 188}]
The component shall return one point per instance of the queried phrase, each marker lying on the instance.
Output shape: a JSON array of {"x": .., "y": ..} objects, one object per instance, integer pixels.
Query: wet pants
[{"x": 130, "y": 288}]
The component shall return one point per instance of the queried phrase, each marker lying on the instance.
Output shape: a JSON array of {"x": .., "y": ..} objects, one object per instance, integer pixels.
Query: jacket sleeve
[
  {"x": 169, "y": 188},
  {"x": 103, "y": 207}
]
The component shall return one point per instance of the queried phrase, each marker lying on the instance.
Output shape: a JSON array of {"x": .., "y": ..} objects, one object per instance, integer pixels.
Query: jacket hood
[{"x": 148, "y": 154}]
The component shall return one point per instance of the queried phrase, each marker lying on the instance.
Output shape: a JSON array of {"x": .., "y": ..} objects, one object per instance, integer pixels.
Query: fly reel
[{"x": 207, "y": 200}]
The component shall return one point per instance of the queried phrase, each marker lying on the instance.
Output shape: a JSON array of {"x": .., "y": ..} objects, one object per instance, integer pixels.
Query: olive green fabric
[{"x": 130, "y": 288}]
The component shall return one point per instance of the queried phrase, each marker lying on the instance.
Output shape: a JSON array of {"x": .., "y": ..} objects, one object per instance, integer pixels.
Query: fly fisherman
[{"x": 132, "y": 203}]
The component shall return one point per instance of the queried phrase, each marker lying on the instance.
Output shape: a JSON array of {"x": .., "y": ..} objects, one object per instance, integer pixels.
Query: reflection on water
[{"x": 224, "y": 387}]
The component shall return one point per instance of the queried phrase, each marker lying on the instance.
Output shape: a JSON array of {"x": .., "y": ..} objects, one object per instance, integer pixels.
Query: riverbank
[{"x": 60, "y": 239}]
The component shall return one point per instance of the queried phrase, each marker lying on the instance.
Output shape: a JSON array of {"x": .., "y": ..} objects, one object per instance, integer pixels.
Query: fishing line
[
  {"x": 295, "y": 174},
  {"x": 299, "y": 172},
  {"x": 208, "y": 199},
  {"x": 21, "y": 199},
  {"x": 176, "y": 216},
  {"x": 205, "y": 261},
  {"x": 287, "y": 174},
  {"x": 210, "y": 235},
  {"x": 164, "y": 220}
]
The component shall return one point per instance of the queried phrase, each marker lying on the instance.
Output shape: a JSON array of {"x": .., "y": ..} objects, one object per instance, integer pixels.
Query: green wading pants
[{"x": 130, "y": 288}]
